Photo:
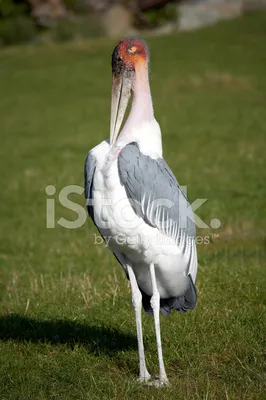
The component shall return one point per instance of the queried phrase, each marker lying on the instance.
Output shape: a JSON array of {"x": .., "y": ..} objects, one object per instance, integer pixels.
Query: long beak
[{"x": 120, "y": 96}]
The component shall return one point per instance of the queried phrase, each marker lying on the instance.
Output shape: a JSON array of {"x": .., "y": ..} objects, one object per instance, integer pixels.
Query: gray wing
[
  {"x": 89, "y": 170},
  {"x": 155, "y": 194}
]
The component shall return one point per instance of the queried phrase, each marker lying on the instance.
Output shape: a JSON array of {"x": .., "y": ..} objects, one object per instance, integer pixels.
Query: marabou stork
[{"x": 137, "y": 205}]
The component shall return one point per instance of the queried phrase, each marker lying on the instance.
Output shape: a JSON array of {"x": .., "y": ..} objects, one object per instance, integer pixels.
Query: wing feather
[
  {"x": 158, "y": 199},
  {"x": 89, "y": 170}
]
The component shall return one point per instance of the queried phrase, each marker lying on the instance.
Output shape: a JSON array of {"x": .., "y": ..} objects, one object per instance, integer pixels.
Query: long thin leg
[
  {"x": 155, "y": 304},
  {"x": 144, "y": 375}
]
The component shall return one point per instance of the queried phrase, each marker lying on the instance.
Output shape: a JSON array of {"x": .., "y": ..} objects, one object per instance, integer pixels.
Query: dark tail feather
[{"x": 182, "y": 303}]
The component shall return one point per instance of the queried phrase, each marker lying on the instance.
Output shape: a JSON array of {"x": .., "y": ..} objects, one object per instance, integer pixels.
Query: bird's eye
[{"x": 132, "y": 50}]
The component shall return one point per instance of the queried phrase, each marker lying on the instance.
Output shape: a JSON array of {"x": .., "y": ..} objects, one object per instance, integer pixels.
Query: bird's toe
[
  {"x": 159, "y": 383},
  {"x": 145, "y": 378}
]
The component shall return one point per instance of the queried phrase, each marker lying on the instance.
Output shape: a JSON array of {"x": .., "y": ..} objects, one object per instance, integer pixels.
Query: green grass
[{"x": 67, "y": 326}]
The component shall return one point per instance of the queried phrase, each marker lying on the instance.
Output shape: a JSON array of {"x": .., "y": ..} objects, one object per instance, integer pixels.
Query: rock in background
[
  {"x": 45, "y": 12},
  {"x": 117, "y": 21},
  {"x": 197, "y": 13}
]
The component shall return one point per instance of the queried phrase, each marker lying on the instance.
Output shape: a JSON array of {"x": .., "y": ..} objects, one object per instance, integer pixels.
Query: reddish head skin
[
  {"x": 133, "y": 51},
  {"x": 130, "y": 53}
]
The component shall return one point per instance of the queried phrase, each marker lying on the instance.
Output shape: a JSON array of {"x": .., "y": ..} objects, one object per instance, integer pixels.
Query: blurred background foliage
[
  {"x": 16, "y": 24},
  {"x": 41, "y": 21},
  {"x": 62, "y": 20}
]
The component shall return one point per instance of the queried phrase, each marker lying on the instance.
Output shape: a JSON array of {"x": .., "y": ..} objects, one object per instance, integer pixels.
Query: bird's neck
[
  {"x": 142, "y": 108},
  {"x": 141, "y": 125}
]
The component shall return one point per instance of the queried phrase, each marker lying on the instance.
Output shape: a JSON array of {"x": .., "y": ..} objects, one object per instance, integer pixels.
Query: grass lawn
[{"x": 67, "y": 326}]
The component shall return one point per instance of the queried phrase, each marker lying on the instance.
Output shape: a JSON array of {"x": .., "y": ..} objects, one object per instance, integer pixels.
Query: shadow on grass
[{"x": 95, "y": 338}]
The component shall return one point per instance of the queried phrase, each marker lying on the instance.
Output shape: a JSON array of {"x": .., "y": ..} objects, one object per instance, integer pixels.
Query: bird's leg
[
  {"x": 155, "y": 304},
  {"x": 144, "y": 375}
]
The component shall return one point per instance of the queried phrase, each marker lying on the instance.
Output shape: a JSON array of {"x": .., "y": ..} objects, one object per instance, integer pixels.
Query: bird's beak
[{"x": 121, "y": 89}]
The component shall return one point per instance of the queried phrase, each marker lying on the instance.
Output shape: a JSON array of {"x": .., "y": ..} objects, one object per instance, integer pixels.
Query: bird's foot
[
  {"x": 159, "y": 382},
  {"x": 145, "y": 377}
]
